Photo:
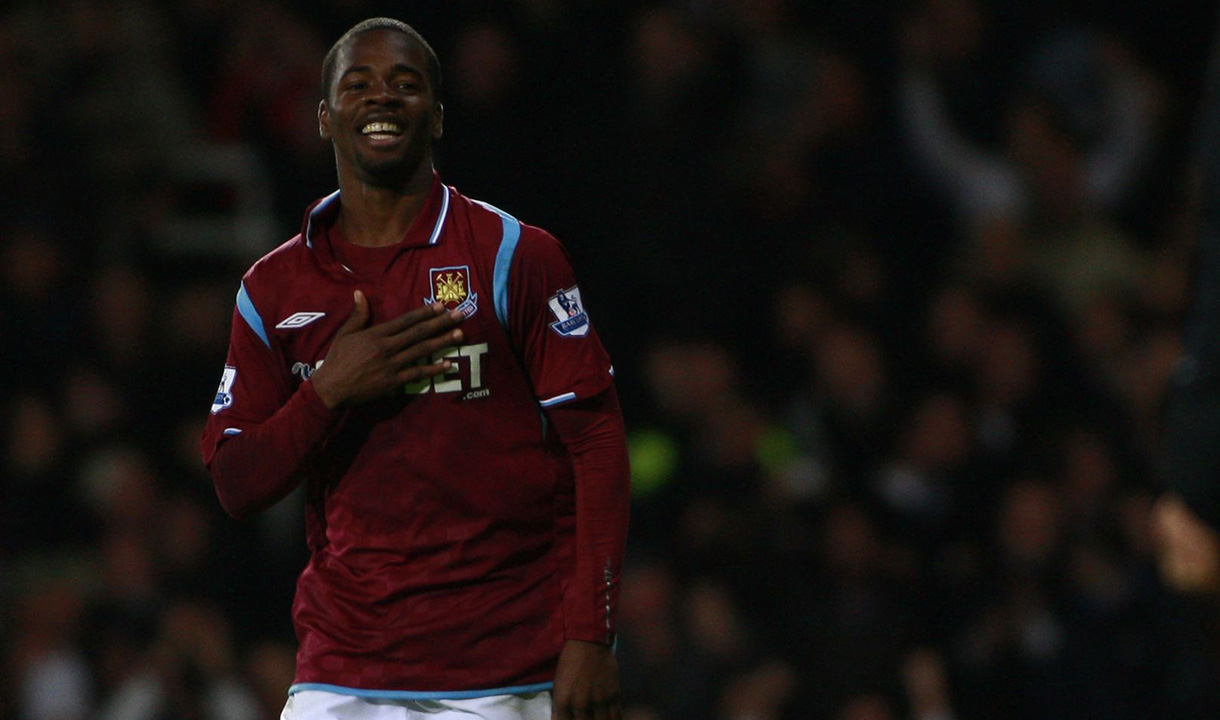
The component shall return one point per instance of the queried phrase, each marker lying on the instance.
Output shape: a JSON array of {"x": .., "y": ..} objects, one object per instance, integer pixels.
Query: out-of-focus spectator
[
  {"x": 865, "y": 707},
  {"x": 926, "y": 683},
  {"x": 266, "y": 94},
  {"x": 270, "y": 666},
  {"x": 1190, "y": 557},
  {"x": 926, "y": 482},
  {"x": 191, "y": 673},
  {"x": 55, "y": 683},
  {"x": 764, "y": 692},
  {"x": 892, "y": 290},
  {"x": 1080, "y": 123}
]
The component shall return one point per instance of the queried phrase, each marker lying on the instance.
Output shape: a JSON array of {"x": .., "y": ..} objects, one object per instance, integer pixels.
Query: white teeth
[{"x": 381, "y": 127}]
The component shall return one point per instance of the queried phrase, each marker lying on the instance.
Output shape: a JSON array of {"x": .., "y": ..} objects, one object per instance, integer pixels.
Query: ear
[
  {"x": 438, "y": 121},
  {"x": 323, "y": 121}
]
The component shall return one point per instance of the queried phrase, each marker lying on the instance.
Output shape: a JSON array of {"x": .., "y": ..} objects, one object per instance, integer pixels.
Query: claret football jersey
[{"x": 437, "y": 518}]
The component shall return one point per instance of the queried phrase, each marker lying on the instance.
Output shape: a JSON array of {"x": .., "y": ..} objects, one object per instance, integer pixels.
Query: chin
[{"x": 387, "y": 172}]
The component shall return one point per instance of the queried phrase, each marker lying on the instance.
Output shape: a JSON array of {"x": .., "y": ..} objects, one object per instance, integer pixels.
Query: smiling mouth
[{"x": 381, "y": 130}]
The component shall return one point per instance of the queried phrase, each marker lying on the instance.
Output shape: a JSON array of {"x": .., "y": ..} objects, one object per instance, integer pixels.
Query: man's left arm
[
  {"x": 586, "y": 678},
  {"x": 573, "y": 380}
]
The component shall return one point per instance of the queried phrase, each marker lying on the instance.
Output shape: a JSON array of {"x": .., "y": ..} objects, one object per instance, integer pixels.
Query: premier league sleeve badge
[
  {"x": 224, "y": 393},
  {"x": 566, "y": 306}
]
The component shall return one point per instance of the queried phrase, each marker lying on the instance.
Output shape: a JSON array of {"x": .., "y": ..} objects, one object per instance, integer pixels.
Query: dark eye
[
  {"x": 357, "y": 85},
  {"x": 408, "y": 86}
]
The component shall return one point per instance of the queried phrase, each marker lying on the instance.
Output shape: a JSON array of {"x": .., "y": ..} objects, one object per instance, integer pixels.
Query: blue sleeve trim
[
  {"x": 504, "y": 262},
  {"x": 557, "y": 400},
  {"x": 413, "y": 695},
  {"x": 249, "y": 313}
]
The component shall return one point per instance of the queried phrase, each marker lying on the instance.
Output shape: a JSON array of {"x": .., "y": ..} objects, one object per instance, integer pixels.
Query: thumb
[{"x": 359, "y": 317}]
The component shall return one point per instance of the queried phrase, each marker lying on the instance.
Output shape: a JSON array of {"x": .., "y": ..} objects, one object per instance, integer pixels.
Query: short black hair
[{"x": 380, "y": 23}]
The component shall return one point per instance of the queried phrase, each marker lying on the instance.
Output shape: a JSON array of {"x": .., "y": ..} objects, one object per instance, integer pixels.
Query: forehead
[{"x": 378, "y": 48}]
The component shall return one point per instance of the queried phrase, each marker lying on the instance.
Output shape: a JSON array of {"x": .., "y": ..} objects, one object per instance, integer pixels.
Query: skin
[
  {"x": 586, "y": 683},
  {"x": 1188, "y": 550},
  {"x": 381, "y": 76}
]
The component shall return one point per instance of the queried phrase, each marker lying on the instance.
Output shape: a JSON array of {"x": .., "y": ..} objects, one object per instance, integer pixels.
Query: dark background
[{"x": 893, "y": 290}]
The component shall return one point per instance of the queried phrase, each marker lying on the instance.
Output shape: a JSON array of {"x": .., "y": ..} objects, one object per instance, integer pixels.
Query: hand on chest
[{"x": 307, "y": 333}]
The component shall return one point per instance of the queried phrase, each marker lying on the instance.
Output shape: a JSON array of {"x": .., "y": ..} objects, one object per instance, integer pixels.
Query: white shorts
[{"x": 322, "y": 705}]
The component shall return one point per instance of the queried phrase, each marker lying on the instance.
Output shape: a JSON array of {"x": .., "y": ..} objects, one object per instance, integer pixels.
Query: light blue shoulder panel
[
  {"x": 249, "y": 313},
  {"x": 504, "y": 262}
]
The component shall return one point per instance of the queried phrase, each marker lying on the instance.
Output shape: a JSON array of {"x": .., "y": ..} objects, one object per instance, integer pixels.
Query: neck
[{"x": 376, "y": 216}]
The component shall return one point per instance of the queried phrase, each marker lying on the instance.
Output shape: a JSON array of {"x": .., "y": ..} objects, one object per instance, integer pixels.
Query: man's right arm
[
  {"x": 262, "y": 433},
  {"x": 258, "y": 467},
  {"x": 262, "y": 428}
]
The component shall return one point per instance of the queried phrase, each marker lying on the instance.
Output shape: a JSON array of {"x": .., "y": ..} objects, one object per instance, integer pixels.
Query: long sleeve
[
  {"x": 263, "y": 426},
  {"x": 256, "y": 468},
  {"x": 979, "y": 183},
  {"x": 593, "y": 432},
  {"x": 1109, "y": 170},
  {"x": 574, "y": 384}
]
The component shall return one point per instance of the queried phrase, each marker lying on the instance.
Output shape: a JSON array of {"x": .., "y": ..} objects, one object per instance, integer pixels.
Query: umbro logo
[{"x": 297, "y": 320}]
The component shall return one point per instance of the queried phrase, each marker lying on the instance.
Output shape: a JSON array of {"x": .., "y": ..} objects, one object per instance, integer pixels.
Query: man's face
[{"x": 381, "y": 112}]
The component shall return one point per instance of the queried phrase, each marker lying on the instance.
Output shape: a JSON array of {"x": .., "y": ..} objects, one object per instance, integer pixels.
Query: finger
[
  {"x": 577, "y": 707},
  {"x": 415, "y": 373},
  {"x": 409, "y": 319},
  {"x": 424, "y": 330},
  {"x": 359, "y": 317},
  {"x": 560, "y": 709},
  {"x": 424, "y": 349}
]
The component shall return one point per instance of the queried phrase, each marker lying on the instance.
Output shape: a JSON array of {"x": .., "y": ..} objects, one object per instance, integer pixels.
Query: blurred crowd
[{"x": 893, "y": 287}]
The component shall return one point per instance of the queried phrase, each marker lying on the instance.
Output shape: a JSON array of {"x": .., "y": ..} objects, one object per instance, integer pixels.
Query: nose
[{"x": 382, "y": 94}]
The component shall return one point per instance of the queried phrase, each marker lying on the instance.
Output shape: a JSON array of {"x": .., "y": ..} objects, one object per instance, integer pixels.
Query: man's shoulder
[
  {"x": 280, "y": 265},
  {"x": 492, "y": 223},
  {"x": 283, "y": 259},
  {"x": 485, "y": 221}
]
